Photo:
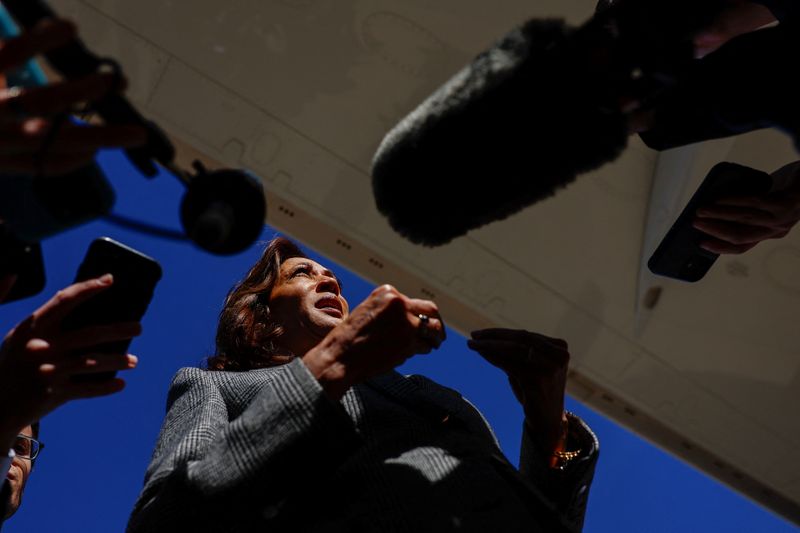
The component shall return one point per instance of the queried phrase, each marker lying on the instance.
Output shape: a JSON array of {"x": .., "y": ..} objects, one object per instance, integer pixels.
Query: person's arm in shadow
[{"x": 559, "y": 451}]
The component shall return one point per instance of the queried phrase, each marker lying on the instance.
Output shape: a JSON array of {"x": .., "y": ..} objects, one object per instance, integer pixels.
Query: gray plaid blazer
[{"x": 266, "y": 450}]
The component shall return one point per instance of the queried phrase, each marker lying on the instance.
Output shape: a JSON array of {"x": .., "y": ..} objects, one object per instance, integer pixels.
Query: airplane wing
[{"x": 302, "y": 91}]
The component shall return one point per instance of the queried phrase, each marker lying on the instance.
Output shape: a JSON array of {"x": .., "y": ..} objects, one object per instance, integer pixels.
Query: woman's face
[{"x": 306, "y": 301}]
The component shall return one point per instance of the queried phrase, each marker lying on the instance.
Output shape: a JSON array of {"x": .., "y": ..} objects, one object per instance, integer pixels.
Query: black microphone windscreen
[{"x": 519, "y": 122}]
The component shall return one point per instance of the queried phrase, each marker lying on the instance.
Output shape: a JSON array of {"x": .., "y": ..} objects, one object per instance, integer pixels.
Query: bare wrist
[{"x": 549, "y": 432}]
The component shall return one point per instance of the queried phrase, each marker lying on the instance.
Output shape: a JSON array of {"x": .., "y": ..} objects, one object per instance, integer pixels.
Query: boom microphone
[{"x": 528, "y": 115}]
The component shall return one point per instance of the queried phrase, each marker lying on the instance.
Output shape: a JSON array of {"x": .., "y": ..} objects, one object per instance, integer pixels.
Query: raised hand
[
  {"x": 38, "y": 359},
  {"x": 536, "y": 366},
  {"x": 377, "y": 336}
]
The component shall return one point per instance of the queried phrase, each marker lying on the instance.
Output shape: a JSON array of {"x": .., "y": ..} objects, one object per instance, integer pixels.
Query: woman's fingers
[
  {"x": 515, "y": 335},
  {"x": 403, "y": 326},
  {"x": 511, "y": 354},
  {"x": 55, "y": 98},
  {"x": 518, "y": 335},
  {"x": 431, "y": 329},
  {"x": 508, "y": 357},
  {"x": 46, "y": 36},
  {"x": 511, "y": 348},
  {"x": 425, "y": 307},
  {"x": 430, "y": 333}
]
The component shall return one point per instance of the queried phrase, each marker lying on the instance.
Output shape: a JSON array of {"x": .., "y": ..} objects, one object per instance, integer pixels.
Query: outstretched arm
[{"x": 559, "y": 451}]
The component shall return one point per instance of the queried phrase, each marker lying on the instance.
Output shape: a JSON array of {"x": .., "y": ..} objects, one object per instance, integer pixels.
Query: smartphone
[
  {"x": 23, "y": 260},
  {"x": 135, "y": 278},
  {"x": 679, "y": 255}
]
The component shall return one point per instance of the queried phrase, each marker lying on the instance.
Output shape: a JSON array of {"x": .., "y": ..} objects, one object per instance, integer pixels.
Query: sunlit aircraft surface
[{"x": 301, "y": 92}]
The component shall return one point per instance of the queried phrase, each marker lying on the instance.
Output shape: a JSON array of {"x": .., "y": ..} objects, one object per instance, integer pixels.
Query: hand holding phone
[
  {"x": 135, "y": 277},
  {"x": 736, "y": 224},
  {"x": 38, "y": 362},
  {"x": 681, "y": 254}
]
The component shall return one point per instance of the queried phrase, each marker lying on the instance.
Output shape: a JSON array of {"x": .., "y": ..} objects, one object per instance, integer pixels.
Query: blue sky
[{"x": 91, "y": 471}]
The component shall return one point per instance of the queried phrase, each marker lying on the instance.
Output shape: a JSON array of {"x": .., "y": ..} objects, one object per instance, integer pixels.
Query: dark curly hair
[{"x": 245, "y": 334}]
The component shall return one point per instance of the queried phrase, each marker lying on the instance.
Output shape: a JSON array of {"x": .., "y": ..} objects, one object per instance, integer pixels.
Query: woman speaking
[{"x": 301, "y": 423}]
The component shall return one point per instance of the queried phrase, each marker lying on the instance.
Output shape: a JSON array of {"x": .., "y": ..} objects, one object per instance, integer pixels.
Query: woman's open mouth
[{"x": 330, "y": 305}]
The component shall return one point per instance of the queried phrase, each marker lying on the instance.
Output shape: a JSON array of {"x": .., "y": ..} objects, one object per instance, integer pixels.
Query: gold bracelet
[
  {"x": 562, "y": 459},
  {"x": 567, "y": 456}
]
